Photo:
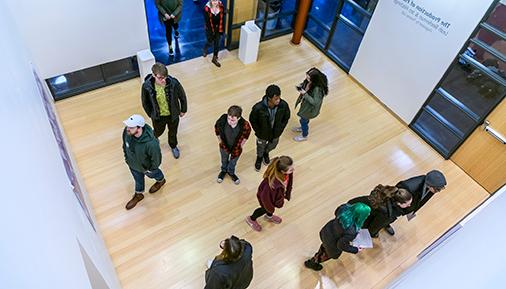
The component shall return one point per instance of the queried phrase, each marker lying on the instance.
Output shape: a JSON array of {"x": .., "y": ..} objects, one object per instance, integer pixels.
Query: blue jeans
[
  {"x": 304, "y": 124},
  {"x": 139, "y": 178},
  {"x": 228, "y": 164}
]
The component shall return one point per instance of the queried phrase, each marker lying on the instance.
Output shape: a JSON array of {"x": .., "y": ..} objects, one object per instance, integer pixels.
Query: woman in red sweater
[{"x": 273, "y": 190}]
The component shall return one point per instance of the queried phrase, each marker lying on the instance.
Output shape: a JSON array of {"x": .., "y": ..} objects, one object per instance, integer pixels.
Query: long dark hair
[
  {"x": 380, "y": 194},
  {"x": 318, "y": 79},
  {"x": 232, "y": 250}
]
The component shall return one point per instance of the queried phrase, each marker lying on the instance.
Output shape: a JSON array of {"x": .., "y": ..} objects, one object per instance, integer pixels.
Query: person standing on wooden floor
[
  {"x": 233, "y": 267},
  {"x": 338, "y": 233},
  {"x": 164, "y": 101},
  {"x": 142, "y": 155},
  {"x": 272, "y": 191},
  {"x": 268, "y": 118},
  {"x": 422, "y": 188},
  {"x": 311, "y": 93},
  {"x": 232, "y": 131}
]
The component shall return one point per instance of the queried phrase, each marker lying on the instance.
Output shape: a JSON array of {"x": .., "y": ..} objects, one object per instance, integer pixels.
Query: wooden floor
[{"x": 354, "y": 144}]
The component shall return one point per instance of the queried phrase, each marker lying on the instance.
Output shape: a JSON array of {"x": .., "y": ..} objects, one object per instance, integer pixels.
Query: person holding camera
[{"x": 311, "y": 93}]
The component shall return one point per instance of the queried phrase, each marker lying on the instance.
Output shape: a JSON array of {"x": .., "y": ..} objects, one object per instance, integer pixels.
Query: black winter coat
[
  {"x": 259, "y": 120},
  {"x": 379, "y": 217},
  {"x": 336, "y": 239},
  {"x": 174, "y": 92},
  {"x": 235, "y": 275},
  {"x": 415, "y": 186}
]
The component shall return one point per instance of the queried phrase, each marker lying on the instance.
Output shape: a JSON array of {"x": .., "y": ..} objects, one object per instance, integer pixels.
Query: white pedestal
[
  {"x": 145, "y": 60},
  {"x": 249, "y": 42}
]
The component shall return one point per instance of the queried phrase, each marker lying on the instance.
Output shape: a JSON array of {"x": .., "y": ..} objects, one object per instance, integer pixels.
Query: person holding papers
[{"x": 338, "y": 233}]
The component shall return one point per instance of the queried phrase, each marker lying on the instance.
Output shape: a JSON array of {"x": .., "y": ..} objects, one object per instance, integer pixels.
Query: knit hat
[{"x": 435, "y": 179}]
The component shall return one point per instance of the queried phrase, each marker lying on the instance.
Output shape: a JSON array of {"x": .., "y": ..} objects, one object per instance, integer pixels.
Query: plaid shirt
[
  {"x": 209, "y": 18},
  {"x": 244, "y": 131}
]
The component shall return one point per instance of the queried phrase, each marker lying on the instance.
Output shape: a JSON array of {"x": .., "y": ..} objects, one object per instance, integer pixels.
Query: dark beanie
[{"x": 435, "y": 179}]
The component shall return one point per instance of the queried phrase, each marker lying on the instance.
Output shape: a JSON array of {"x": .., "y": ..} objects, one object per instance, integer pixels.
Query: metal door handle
[{"x": 498, "y": 136}]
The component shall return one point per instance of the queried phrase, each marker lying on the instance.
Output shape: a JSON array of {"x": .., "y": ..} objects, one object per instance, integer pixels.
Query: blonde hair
[{"x": 276, "y": 169}]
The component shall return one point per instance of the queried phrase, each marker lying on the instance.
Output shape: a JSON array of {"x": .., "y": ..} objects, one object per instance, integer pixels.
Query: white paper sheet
[{"x": 363, "y": 239}]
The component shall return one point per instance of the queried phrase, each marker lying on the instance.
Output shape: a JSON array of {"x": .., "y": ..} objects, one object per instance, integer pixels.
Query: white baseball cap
[{"x": 134, "y": 121}]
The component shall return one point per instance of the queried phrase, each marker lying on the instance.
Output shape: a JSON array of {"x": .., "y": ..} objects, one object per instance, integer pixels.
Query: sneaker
[
  {"x": 135, "y": 199},
  {"x": 313, "y": 265},
  {"x": 300, "y": 138},
  {"x": 296, "y": 129},
  {"x": 274, "y": 219},
  {"x": 157, "y": 186},
  {"x": 266, "y": 158},
  {"x": 171, "y": 51},
  {"x": 235, "y": 178},
  {"x": 258, "y": 164},
  {"x": 220, "y": 177},
  {"x": 253, "y": 224},
  {"x": 176, "y": 34},
  {"x": 390, "y": 230},
  {"x": 175, "y": 153}
]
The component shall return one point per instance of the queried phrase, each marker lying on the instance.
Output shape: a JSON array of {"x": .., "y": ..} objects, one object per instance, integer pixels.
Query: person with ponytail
[
  {"x": 387, "y": 204},
  {"x": 275, "y": 187},
  {"x": 311, "y": 94},
  {"x": 233, "y": 268},
  {"x": 338, "y": 233}
]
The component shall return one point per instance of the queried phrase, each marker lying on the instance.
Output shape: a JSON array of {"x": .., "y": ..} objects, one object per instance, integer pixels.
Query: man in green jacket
[
  {"x": 169, "y": 12},
  {"x": 142, "y": 155}
]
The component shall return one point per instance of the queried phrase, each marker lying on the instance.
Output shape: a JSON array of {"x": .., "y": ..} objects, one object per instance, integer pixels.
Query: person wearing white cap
[
  {"x": 422, "y": 188},
  {"x": 142, "y": 155}
]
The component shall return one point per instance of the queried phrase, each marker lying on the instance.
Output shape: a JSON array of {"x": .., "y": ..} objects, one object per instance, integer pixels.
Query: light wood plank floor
[{"x": 355, "y": 144}]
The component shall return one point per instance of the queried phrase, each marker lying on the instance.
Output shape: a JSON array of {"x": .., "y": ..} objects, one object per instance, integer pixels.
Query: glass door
[{"x": 337, "y": 27}]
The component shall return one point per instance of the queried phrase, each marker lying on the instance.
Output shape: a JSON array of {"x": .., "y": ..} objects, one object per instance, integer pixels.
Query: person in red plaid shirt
[{"x": 232, "y": 131}]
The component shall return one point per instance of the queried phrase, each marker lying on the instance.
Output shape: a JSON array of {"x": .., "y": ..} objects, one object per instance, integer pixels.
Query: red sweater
[{"x": 270, "y": 198}]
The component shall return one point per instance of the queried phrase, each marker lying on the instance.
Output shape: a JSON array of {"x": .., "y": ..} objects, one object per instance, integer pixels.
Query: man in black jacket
[
  {"x": 422, "y": 188},
  {"x": 164, "y": 101},
  {"x": 268, "y": 118}
]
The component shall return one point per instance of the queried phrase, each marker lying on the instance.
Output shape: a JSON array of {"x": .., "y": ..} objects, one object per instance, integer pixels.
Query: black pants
[
  {"x": 258, "y": 213},
  {"x": 320, "y": 256},
  {"x": 168, "y": 29},
  {"x": 213, "y": 39},
  {"x": 171, "y": 123}
]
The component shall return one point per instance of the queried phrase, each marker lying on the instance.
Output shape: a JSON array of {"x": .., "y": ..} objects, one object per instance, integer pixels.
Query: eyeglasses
[{"x": 159, "y": 77}]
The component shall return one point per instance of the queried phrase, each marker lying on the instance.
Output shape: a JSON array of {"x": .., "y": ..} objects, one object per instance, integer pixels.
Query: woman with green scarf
[{"x": 338, "y": 233}]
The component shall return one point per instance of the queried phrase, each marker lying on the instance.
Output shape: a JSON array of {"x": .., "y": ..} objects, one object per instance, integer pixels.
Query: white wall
[
  {"x": 473, "y": 257},
  {"x": 40, "y": 218},
  {"x": 400, "y": 62},
  {"x": 69, "y": 35}
]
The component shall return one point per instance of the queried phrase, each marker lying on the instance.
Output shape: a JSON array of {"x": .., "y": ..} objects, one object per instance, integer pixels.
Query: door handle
[{"x": 498, "y": 136}]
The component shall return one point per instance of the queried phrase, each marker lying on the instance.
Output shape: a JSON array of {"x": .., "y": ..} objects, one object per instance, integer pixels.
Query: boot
[
  {"x": 258, "y": 164},
  {"x": 156, "y": 186},
  {"x": 135, "y": 199},
  {"x": 204, "y": 51},
  {"x": 311, "y": 264},
  {"x": 215, "y": 61}
]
